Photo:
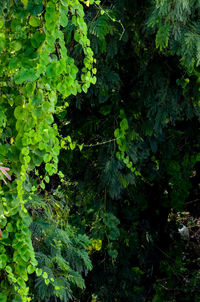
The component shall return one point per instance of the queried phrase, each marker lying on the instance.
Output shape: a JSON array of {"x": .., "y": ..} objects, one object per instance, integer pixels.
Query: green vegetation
[{"x": 99, "y": 123}]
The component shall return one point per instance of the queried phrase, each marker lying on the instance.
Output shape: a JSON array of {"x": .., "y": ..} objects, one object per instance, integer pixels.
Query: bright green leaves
[
  {"x": 63, "y": 16},
  {"x": 95, "y": 244},
  {"x": 44, "y": 275},
  {"x": 37, "y": 68},
  {"x": 38, "y": 272},
  {"x": 51, "y": 16}
]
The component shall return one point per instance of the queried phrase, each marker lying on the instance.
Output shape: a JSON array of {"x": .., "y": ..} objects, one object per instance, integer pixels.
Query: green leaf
[
  {"x": 30, "y": 269},
  {"x": 9, "y": 228},
  {"x": 25, "y": 75},
  {"x": 8, "y": 269},
  {"x": 51, "y": 70},
  {"x": 34, "y": 21},
  {"x": 38, "y": 272},
  {"x": 42, "y": 185},
  {"x": 63, "y": 18},
  {"x": 16, "y": 45},
  {"x": 124, "y": 124},
  {"x": 47, "y": 179},
  {"x": 117, "y": 133},
  {"x": 72, "y": 146},
  {"x": 44, "y": 275},
  {"x": 3, "y": 261},
  {"x": 94, "y": 70},
  {"x": 81, "y": 147}
]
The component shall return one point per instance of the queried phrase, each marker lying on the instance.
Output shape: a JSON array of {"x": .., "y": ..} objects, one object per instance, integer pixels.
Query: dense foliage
[{"x": 103, "y": 175}]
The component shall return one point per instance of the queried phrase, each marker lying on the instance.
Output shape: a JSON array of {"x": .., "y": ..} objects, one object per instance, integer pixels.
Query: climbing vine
[
  {"x": 122, "y": 143},
  {"x": 36, "y": 72}
]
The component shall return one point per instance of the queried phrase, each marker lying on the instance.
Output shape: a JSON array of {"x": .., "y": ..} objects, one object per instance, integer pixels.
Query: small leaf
[
  {"x": 81, "y": 147},
  {"x": 124, "y": 124},
  {"x": 38, "y": 272},
  {"x": 34, "y": 21},
  {"x": 8, "y": 269},
  {"x": 42, "y": 185},
  {"x": 63, "y": 18},
  {"x": 44, "y": 275},
  {"x": 72, "y": 146},
  {"x": 30, "y": 269}
]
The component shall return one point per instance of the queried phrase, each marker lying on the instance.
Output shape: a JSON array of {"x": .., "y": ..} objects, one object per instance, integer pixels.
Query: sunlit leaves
[{"x": 37, "y": 69}]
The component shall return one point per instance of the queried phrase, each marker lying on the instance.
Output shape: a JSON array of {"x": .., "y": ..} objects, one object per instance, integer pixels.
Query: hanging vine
[{"x": 35, "y": 72}]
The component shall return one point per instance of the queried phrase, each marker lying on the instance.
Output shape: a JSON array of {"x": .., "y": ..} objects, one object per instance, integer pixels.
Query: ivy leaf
[
  {"x": 38, "y": 272},
  {"x": 30, "y": 269},
  {"x": 44, "y": 275}
]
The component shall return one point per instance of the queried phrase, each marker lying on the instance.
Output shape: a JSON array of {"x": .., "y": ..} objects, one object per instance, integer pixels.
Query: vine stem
[
  {"x": 113, "y": 20},
  {"x": 99, "y": 144}
]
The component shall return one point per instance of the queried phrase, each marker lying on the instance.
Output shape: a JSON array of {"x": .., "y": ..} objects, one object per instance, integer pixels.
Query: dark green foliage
[
  {"x": 60, "y": 251},
  {"x": 152, "y": 93}
]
